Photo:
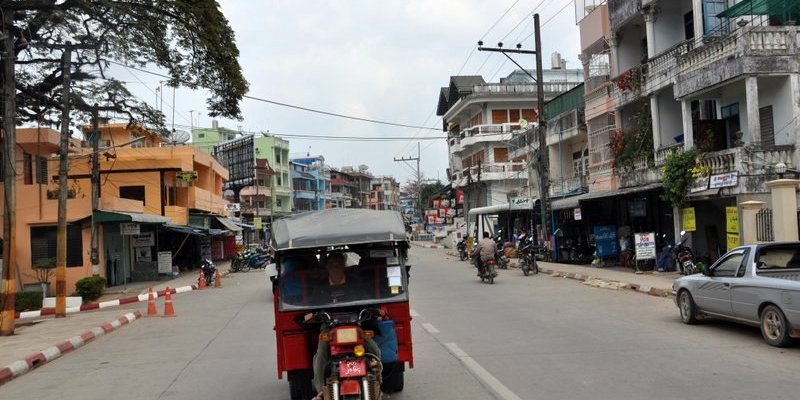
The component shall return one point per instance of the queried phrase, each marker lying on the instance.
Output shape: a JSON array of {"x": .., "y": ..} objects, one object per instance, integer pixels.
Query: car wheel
[
  {"x": 687, "y": 307},
  {"x": 774, "y": 327}
]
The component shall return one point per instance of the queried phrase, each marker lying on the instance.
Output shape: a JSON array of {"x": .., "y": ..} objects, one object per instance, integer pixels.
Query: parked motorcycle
[
  {"x": 666, "y": 260},
  {"x": 352, "y": 373},
  {"x": 462, "y": 248},
  {"x": 208, "y": 271},
  {"x": 244, "y": 261},
  {"x": 527, "y": 257},
  {"x": 683, "y": 256}
]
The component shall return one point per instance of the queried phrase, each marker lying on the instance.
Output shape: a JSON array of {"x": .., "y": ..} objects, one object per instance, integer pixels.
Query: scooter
[
  {"x": 527, "y": 260},
  {"x": 683, "y": 256},
  {"x": 208, "y": 271},
  {"x": 462, "y": 249}
]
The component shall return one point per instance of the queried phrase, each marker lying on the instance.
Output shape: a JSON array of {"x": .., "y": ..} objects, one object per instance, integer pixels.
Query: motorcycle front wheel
[{"x": 245, "y": 267}]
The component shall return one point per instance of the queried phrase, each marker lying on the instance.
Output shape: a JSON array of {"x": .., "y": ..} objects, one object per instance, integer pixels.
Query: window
[
  {"x": 277, "y": 156},
  {"x": 43, "y": 245},
  {"x": 278, "y": 181},
  {"x": 27, "y": 168},
  {"x": 778, "y": 257},
  {"x": 728, "y": 267},
  {"x": 500, "y": 154},
  {"x": 201, "y": 135},
  {"x": 132, "y": 193},
  {"x": 688, "y": 25},
  {"x": 41, "y": 172},
  {"x": 278, "y": 203},
  {"x": 767, "y": 126},
  {"x": 499, "y": 116}
]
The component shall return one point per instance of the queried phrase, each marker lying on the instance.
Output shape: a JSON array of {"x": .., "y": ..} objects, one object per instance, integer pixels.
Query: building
[
  {"x": 385, "y": 194},
  {"x": 206, "y": 138},
  {"x": 362, "y": 179},
  {"x": 344, "y": 190},
  {"x": 489, "y": 150},
  {"x": 311, "y": 179},
  {"x": 149, "y": 195}
]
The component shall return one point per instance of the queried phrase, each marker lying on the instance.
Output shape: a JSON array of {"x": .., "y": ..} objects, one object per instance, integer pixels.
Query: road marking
[
  {"x": 487, "y": 379},
  {"x": 430, "y": 328},
  {"x": 414, "y": 313}
]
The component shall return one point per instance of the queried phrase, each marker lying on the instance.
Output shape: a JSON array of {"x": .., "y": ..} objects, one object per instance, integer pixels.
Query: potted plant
[{"x": 42, "y": 272}]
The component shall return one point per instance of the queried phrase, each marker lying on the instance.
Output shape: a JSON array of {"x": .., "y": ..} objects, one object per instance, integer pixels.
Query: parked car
[{"x": 757, "y": 285}]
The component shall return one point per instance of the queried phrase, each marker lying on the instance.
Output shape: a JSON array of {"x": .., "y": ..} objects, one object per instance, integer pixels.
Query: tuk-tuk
[{"x": 369, "y": 310}]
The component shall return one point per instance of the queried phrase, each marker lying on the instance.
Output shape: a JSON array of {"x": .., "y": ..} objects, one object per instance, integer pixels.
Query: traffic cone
[
  {"x": 202, "y": 284},
  {"x": 217, "y": 280},
  {"x": 169, "y": 310},
  {"x": 151, "y": 304}
]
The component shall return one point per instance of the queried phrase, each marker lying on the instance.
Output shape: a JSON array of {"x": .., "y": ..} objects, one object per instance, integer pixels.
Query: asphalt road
[{"x": 522, "y": 338}]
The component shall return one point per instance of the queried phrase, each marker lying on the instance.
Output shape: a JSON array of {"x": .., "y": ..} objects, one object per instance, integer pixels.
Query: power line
[
  {"x": 500, "y": 19},
  {"x": 340, "y": 138}
]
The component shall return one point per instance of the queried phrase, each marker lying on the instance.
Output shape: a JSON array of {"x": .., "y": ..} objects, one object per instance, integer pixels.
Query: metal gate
[{"x": 764, "y": 227}]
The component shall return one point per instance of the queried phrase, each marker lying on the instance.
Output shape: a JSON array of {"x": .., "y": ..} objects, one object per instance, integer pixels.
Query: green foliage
[
  {"x": 90, "y": 288},
  {"x": 629, "y": 145},
  {"x": 701, "y": 267},
  {"x": 27, "y": 301},
  {"x": 677, "y": 176}
]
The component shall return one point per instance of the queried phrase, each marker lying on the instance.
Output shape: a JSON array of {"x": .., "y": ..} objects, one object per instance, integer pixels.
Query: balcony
[
  {"x": 600, "y": 156},
  {"x": 487, "y": 133},
  {"x": 630, "y": 86},
  {"x": 256, "y": 211},
  {"x": 201, "y": 199},
  {"x": 305, "y": 194},
  {"x": 661, "y": 68},
  {"x": 490, "y": 172},
  {"x": 550, "y": 88},
  {"x": 621, "y": 11},
  {"x": 124, "y": 205},
  {"x": 256, "y": 191},
  {"x": 748, "y": 160},
  {"x": 568, "y": 186},
  {"x": 642, "y": 173},
  {"x": 599, "y": 100},
  {"x": 664, "y": 152},
  {"x": 566, "y": 126},
  {"x": 748, "y": 51}
]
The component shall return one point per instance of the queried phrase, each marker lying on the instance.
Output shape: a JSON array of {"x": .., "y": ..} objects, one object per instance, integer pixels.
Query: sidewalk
[{"x": 39, "y": 340}]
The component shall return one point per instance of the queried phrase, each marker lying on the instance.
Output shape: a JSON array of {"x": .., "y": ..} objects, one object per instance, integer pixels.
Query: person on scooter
[{"x": 484, "y": 251}]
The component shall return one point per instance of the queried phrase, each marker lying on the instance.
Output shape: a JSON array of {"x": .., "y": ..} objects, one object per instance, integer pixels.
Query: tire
[
  {"x": 687, "y": 307},
  {"x": 462, "y": 255},
  {"x": 525, "y": 270},
  {"x": 300, "y": 387},
  {"x": 393, "y": 380},
  {"x": 245, "y": 267},
  {"x": 491, "y": 279},
  {"x": 535, "y": 267},
  {"x": 774, "y": 327}
]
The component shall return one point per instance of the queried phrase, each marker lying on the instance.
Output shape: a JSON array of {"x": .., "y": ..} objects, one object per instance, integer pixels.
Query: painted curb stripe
[
  {"x": 18, "y": 367},
  {"x": 76, "y": 341},
  {"x": 35, "y": 360},
  {"x": 92, "y": 306},
  {"x": 51, "y": 353},
  {"x": 6, "y": 375},
  {"x": 98, "y": 331},
  {"x": 65, "y": 347}
]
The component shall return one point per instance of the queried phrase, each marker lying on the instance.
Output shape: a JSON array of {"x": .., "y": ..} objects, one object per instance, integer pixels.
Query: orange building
[{"x": 146, "y": 186}]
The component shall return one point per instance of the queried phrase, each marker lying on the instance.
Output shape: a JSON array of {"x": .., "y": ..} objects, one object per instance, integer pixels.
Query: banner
[
  {"x": 732, "y": 220},
  {"x": 645, "y": 245},
  {"x": 733, "y": 241},
  {"x": 257, "y": 222},
  {"x": 605, "y": 238},
  {"x": 689, "y": 223}
]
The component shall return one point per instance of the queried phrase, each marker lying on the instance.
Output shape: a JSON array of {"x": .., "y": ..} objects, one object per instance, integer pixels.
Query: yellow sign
[
  {"x": 732, "y": 219},
  {"x": 733, "y": 240},
  {"x": 689, "y": 223},
  {"x": 257, "y": 222}
]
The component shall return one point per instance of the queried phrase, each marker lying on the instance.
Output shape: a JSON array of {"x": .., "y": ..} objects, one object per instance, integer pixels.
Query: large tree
[{"x": 190, "y": 40}]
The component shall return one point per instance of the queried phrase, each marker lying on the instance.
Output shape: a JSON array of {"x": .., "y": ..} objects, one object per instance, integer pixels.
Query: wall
[
  {"x": 629, "y": 51},
  {"x": 776, "y": 91},
  {"x": 150, "y": 180},
  {"x": 594, "y": 27},
  {"x": 735, "y": 93},
  {"x": 669, "y": 27},
  {"x": 671, "y": 120}
]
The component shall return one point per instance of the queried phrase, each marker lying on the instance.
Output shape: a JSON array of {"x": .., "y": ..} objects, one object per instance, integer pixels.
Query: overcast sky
[{"x": 383, "y": 60}]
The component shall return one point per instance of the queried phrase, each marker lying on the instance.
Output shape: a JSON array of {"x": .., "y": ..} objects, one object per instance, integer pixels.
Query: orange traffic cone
[
  {"x": 169, "y": 310},
  {"x": 202, "y": 284},
  {"x": 151, "y": 304},
  {"x": 217, "y": 280}
]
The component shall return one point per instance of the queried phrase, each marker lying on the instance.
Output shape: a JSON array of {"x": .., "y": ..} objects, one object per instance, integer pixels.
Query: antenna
[{"x": 179, "y": 137}]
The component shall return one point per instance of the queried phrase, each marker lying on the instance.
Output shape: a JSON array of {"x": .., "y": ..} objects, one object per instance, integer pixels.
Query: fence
[{"x": 764, "y": 227}]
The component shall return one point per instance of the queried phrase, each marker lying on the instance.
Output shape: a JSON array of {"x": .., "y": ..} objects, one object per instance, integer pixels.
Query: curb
[
  {"x": 105, "y": 304},
  {"x": 429, "y": 246},
  {"x": 602, "y": 283},
  {"x": 33, "y": 361}
]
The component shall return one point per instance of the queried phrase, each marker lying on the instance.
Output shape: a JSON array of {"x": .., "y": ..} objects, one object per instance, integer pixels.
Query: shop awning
[
  {"x": 489, "y": 209},
  {"x": 568, "y": 202},
  {"x": 229, "y": 224},
  {"x": 773, "y": 8},
  {"x": 217, "y": 232},
  {"x": 620, "y": 192},
  {"x": 705, "y": 193},
  {"x": 183, "y": 229},
  {"x": 243, "y": 225},
  {"x": 101, "y": 216}
]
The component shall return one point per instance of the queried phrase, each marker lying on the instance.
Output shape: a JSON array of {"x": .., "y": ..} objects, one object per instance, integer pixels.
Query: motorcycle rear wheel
[{"x": 245, "y": 267}]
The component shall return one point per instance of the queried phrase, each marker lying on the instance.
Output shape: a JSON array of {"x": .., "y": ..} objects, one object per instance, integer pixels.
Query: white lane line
[
  {"x": 430, "y": 328},
  {"x": 414, "y": 313},
  {"x": 487, "y": 379}
]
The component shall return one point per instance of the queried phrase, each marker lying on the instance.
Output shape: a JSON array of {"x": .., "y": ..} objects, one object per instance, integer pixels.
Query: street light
[{"x": 780, "y": 169}]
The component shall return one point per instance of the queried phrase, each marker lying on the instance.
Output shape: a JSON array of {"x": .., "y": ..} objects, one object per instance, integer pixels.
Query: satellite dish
[{"x": 179, "y": 137}]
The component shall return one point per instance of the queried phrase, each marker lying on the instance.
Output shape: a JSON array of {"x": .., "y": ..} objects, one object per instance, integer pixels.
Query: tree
[
  {"x": 190, "y": 39},
  {"x": 422, "y": 193}
]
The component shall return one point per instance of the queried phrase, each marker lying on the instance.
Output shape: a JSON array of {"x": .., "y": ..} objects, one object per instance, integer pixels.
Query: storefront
[{"x": 130, "y": 243}]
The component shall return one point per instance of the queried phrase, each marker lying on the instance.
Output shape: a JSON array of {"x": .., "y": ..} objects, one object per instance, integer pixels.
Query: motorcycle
[
  {"x": 527, "y": 260},
  {"x": 244, "y": 261},
  {"x": 665, "y": 261},
  {"x": 208, "y": 271},
  {"x": 352, "y": 372},
  {"x": 499, "y": 255},
  {"x": 486, "y": 270},
  {"x": 683, "y": 256},
  {"x": 462, "y": 248}
]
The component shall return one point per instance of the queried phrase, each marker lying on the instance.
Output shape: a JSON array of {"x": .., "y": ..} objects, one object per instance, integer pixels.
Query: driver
[{"x": 486, "y": 249}]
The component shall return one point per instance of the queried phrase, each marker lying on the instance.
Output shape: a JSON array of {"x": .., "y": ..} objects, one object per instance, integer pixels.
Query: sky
[{"x": 383, "y": 60}]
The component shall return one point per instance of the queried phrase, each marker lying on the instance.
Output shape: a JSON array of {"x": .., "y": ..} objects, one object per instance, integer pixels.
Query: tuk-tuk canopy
[{"x": 336, "y": 227}]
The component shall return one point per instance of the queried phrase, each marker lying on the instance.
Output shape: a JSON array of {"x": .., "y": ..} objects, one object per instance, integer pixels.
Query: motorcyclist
[{"x": 484, "y": 251}]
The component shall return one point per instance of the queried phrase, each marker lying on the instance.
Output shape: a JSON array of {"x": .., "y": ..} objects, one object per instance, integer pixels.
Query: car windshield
[
  {"x": 324, "y": 279},
  {"x": 779, "y": 257}
]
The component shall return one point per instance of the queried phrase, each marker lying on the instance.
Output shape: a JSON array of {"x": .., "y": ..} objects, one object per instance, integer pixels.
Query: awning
[
  {"x": 229, "y": 224},
  {"x": 774, "y": 8},
  {"x": 119, "y": 216},
  {"x": 705, "y": 193},
  {"x": 216, "y": 232},
  {"x": 244, "y": 225},
  {"x": 183, "y": 229},
  {"x": 568, "y": 202},
  {"x": 620, "y": 192},
  {"x": 489, "y": 209}
]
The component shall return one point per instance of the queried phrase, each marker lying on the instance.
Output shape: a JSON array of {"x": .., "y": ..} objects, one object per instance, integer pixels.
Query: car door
[
  {"x": 745, "y": 295},
  {"x": 713, "y": 293}
]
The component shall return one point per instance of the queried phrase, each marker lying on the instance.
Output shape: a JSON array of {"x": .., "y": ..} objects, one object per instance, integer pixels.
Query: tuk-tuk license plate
[{"x": 352, "y": 368}]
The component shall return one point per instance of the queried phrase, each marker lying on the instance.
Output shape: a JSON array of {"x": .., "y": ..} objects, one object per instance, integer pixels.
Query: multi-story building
[
  {"x": 206, "y": 138},
  {"x": 385, "y": 194},
  {"x": 344, "y": 190},
  {"x": 489, "y": 151},
  {"x": 153, "y": 198},
  {"x": 362, "y": 179},
  {"x": 312, "y": 183}
]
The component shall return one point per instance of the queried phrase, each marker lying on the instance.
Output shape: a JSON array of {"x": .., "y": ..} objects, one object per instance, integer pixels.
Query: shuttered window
[
  {"x": 499, "y": 116},
  {"x": 43, "y": 244},
  {"x": 41, "y": 171},
  {"x": 767, "y": 126},
  {"x": 27, "y": 168},
  {"x": 500, "y": 154}
]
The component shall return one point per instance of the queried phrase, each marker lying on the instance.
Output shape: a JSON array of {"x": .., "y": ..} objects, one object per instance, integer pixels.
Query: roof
[
  {"x": 444, "y": 104},
  {"x": 101, "y": 216},
  {"x": 466, "y": 82},
  {"x": 337, "y": 226}
]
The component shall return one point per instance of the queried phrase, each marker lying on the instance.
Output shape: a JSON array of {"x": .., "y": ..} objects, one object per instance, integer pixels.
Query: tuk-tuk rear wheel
[
  {"x": 393, "y": 377},
  {"x": 300, "y": 387}
]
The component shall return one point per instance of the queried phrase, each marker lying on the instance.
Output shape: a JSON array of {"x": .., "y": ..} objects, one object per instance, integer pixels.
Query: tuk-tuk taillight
[
  {"x": 324, "y": 337},
  {"x": 346, "y": 335},
  {"x": 369, "y": 334}
]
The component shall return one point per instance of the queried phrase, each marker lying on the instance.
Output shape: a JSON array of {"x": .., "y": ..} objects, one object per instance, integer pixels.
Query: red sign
[{"x": 459, "y": 196}]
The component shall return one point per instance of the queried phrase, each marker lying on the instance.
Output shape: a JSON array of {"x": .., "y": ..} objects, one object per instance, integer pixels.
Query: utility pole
[
  {"x": 543, "y": 160},
  {"x": 419, "y": 177},
  {"x": 8, "y": 289},
  {"x": 94, "y": 138}
]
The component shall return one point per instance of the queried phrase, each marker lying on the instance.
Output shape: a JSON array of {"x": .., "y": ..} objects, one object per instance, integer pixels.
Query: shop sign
[
  {"x": 143, "y": 240},
  {"x": 732, "y": 220},
  {"x": 520, "y": 203},
  {"x": 187, "y": 176},
  {"x": 129, "y": 228},
  {"x": 451, "y": 212},
  {"x": 445, "y": 203},
  {"x": 699, "y": 184},
  {"x": 577, "y": 214},
  {"x": 257, "y": 222},
  {"x": 605, "y": 238},
  {"x": 143, "y": 254},
  {"x": 436, "y": 203},
  {"x": 459, "y": 196},
  {"x": 733, "y": 241},
  {"x": 233, "y": 207},
  {"x": 724, "y": 180},
  {"x": 637, "y": 208},
  {"x": 645, "y": 245},
  {"x": 164, "y": 262},
  {"x": 689, "y": 223},
  {"x": 431, "y": 213}
]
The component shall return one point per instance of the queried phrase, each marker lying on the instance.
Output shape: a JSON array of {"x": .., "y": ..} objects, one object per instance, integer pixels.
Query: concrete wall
[
  {"x": 735, "y": 93},
  {"x": 629, "y": 51},
  {"x": 670, "y": 121},
  {"x": 776, "y": 92},
  {"x": 669, "y": 24}
]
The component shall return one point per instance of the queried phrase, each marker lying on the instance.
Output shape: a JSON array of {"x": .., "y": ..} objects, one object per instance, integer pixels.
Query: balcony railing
[
  {"x": 568, "y": 186},
  {"x": 599, "y": 151},
  {"x": 661, "y": 68},
  {"x": 748, "y": 159},
  {"x": 506, "y": 88},
  {"x": 497, "y": 171},
  {"x": 665, "y": 151}
]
